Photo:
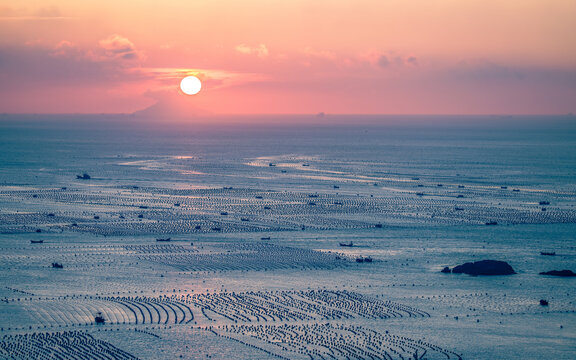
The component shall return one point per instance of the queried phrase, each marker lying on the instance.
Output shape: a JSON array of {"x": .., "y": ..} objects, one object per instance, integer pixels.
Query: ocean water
[{"x": 261, "y": 205}]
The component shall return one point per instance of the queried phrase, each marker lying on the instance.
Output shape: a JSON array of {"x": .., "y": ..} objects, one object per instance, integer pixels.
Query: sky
[{"x": 288, "y": 57}]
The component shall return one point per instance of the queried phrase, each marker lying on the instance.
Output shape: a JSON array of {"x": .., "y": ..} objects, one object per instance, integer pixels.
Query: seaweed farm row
[
  {"x": 222, "y": 307},
  {"x": 117, "y": 211}
]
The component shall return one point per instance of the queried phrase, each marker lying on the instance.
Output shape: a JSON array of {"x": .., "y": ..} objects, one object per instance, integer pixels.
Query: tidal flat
[{"x": 303, "y": 241}]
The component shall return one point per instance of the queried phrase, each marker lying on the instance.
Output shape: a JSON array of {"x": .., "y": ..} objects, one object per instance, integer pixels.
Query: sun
[{"x": 190, "y": 85}]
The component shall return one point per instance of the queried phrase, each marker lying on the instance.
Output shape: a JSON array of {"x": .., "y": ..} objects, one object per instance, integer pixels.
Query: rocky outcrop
[
  {"x": 564, "y": 273},
  {"x": 484, "y": 267}
]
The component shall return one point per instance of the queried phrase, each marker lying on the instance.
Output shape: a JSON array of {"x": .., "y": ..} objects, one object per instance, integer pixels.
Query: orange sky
[{"x": 298, "y": 56}]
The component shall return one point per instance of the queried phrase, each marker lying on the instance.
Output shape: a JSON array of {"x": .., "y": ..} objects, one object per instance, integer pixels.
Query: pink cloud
[{"x": 119, "y": 47}]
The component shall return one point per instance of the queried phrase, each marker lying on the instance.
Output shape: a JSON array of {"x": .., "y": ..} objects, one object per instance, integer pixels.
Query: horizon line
[{"x": 317, "y": 115}]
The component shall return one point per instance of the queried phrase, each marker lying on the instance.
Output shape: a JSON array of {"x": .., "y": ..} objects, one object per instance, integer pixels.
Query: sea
[{"x": 286, "y": 236}]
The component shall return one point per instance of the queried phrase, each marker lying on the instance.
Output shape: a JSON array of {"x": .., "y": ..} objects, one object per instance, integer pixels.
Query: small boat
[
  {"x": 313, "y": 195},
  {"x": 553, "y": 253},
  {"x": 367, "y": 259},
  {"x": 336, "y": 187},
  {"x": 378, "y": 225},
  {"x": 492, "y": 223},
  {"x": 224, "y": 213},
  {"x": 267, "y": 208},
  {"x": 216, "y": 229},
  {"x": 244, "y": 219},
  {"x": 458, "y": 209},
  {"x": 419, "y": 194},
  {"x": 415, "y": 178},
  {"x": 99, "y": 319},
  {"x": 305, "y": 164},
  {"x": 198, "y": 227},
  {"x": 258, "y": 197},
  {"x": 350, "y": 244},
  {"x": 167, "y": 239},
  {"x": 84, "y": 176},
  {"x": 177, "y": 204},
  {"x": 36, "y": 241},
  {"x": 359, "y": 259},
  {"x": 271, "y": 164},
  {"x": 57, "y": 265},
  {"x": 544, "y": 302},
  {"x": 265, "y": 238},
  {"x": 544, "y": 203}
]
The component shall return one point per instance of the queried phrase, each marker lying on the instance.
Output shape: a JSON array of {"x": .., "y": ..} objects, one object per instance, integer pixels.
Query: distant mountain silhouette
[{"x": 180, "y": 106}]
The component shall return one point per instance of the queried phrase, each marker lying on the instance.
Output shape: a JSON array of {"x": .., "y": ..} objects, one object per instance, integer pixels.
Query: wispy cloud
[
  {"x": 50, "y": 13},
  {"x": 212, "y": 78},
  {"x": 261, "y": 50}
]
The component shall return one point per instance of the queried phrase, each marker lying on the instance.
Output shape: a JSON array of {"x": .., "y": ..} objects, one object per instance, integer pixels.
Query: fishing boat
[
  {"x": 99, "y": 319},
  {"x": 36, "y": 241}
]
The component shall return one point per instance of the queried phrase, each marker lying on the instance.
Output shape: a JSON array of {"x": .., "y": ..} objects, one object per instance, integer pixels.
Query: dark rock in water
[
  {"x": 544, "y": 302},
  {"x": 565, "y": 273},
  {"x": 446, "y": 270},
  {"x": 484, "y": 267}
]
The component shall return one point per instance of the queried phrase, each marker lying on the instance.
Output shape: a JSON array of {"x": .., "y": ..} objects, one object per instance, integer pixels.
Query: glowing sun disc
[{"x": 190, "y": 85}]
